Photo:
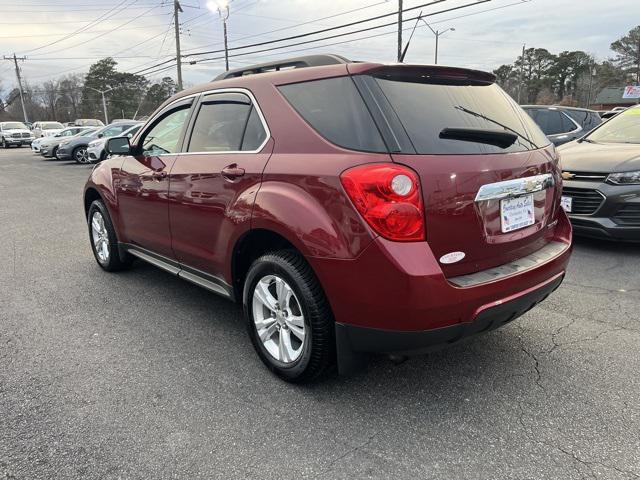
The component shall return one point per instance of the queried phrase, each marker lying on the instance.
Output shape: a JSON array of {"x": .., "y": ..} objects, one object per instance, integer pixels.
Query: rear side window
[
  {"x": 426, "y": 109},
  {"x": 335, "y": 109},
  {"x": 551, "y": 121},
  {"x": 226, "y": 122}
]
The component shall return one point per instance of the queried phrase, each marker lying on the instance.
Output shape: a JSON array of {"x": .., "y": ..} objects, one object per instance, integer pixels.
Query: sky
[{"x": 60, "y": 37}]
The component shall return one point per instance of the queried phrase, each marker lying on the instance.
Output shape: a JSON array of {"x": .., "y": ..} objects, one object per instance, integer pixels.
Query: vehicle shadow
[{"x": 606, "y": 246}]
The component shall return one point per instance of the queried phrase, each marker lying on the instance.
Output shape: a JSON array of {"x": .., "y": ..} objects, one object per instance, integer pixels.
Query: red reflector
[{"x": 388, "y": 197}]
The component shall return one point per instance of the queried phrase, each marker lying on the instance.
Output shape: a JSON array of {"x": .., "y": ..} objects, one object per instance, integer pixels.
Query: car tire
[
  {"x": 103, "y": 239},
  {"x": 4, "y": 143},
  {"x": 80, "y": 155},
  {"x": 304, "y": 312},
  {"x": 54, "y": 153}
]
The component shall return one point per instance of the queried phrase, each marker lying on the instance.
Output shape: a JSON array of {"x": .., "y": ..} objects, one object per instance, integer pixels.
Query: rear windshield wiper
[
  {"x": 499, "y": 138},
  {"x": 484, "y": 117}
]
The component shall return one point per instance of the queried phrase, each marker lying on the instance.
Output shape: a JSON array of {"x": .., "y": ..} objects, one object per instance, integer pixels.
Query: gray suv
[{"x": 563, "y": 124}]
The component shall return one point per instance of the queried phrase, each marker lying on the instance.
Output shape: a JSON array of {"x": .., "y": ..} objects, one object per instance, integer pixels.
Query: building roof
[{"x": 613, "y": 95}]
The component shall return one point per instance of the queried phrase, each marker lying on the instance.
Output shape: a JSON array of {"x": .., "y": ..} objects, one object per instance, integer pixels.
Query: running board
[{"x": 197, "y": 277}]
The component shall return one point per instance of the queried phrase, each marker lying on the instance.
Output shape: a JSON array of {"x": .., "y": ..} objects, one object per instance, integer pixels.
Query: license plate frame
[{"x": 517, "y": 213}]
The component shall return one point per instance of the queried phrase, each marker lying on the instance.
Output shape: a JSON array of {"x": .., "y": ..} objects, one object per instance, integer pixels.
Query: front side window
[
  {"x": 226, "y": 122},
  {"x": 164, "y": 136}
]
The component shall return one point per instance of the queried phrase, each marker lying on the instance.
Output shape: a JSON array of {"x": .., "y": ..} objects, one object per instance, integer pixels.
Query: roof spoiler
[
  {"x": 297, "y": 62},
  {"x": 424, "y": 73}
]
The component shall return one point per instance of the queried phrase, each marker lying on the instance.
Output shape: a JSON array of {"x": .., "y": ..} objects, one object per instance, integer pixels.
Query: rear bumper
[
  {"x": 400, "y": 286},
  {"x": 371, "y": 340}
]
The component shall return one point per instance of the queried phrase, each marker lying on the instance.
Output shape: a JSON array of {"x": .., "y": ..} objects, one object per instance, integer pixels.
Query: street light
[
  {"x": 104, "y": 102},
  {"x": 437, "y": 33},
  {"x": 222, "y": 7}
]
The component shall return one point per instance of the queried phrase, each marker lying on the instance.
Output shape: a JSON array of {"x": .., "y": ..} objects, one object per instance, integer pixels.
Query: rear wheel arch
[{"x": 250, "y": 246}]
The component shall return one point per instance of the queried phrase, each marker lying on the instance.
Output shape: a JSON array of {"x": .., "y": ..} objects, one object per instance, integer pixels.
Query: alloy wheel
[
  {"x": 100, "y": 237},
  {"x": 278, "y": 319},
  {"x": 81, "y": 155}
]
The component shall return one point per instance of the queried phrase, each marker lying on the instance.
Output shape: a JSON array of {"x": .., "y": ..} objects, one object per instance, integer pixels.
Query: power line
[
  {"x": 345, "y": 33},
  {"x": 208, "y": 60},
  {"x": 81, "y": 29},
  {"x": 324, "y": 30},
  {"x": 102, "y": 34},
  {"x": 316, "y": 32},
  {"x": 146, "y": 27},
  {"x": 297, "y": 25}
]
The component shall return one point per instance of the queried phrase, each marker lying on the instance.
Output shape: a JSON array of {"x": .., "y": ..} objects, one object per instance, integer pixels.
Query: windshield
[
  {"x": 623, "y": 128},
  {"x": 51, "y": 126},
  {"x": 14, "y": 125}
]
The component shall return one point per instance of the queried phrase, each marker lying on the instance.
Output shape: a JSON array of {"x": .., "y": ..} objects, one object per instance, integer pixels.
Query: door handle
[{"x": 232, "y": 172}]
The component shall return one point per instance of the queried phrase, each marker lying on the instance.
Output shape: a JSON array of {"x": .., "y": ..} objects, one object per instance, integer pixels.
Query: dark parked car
[
  {"x": 352, "y": 208},
  {"x": 602, "y": 179},
  {"x": 563, "y": 124},
  {"x": 76, "y": 147}
]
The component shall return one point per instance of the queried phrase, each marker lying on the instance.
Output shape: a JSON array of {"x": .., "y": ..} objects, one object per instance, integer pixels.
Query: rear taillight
[{"x": 388, "y": 197}]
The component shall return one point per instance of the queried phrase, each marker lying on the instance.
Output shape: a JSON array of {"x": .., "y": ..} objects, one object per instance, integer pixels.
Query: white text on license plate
[
  {"x": 516, "y": 213},
  {"x": 566, "y": 203}
]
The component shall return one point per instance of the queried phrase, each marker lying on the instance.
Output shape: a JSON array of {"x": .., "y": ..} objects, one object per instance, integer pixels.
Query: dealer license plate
[{"x": 516, "y": 213}]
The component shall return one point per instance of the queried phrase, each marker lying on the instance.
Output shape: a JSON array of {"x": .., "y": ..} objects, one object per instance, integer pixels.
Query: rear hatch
[{"x": 462, "y": 134}]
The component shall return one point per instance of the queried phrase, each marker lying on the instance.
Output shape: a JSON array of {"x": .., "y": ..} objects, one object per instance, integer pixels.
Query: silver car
[
  {"x": 48, "y": 146},
  {"x": 46, "y": 129},
  {"x": 96, "y": 147}
]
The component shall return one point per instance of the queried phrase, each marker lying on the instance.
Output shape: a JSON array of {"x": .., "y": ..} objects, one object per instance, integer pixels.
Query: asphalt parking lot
[{"x": 142, "y": 375}]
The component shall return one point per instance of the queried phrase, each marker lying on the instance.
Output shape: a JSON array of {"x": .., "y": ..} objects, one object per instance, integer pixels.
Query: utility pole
[
  {"x": 176, "y": 9},
  {"x": 224, "y": 26},
  {"x": 15, "y": 61},
  {"x": 521, "y": 79},
  {"x": 592, "y": 73},
  {"x": 104, "y": 102},
  {"x": 437, "y": 33},
  {"x": 399, "y": 30}
]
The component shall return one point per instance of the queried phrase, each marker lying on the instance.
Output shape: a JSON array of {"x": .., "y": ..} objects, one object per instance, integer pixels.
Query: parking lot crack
[{"x": 346, "y": 454}]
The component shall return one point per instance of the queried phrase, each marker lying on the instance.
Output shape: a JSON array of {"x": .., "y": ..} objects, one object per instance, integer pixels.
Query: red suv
[{"x": 352, "y": 208}]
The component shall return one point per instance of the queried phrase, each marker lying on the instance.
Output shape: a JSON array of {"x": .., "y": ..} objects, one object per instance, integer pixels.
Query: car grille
[
  {"x": 26, "y": 135},
  {"x": 628, "y": 215},
  {"x": 585, "y": 176},
  {"x": 15, "y": 135},
  {"x": 584, "y": 201}
]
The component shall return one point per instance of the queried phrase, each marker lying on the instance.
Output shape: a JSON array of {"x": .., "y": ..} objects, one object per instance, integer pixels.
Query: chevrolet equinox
[{"x": 352, "y": 208}]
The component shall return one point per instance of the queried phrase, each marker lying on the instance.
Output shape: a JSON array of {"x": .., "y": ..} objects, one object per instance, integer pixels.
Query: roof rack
[{"x": 298, "y": 62}]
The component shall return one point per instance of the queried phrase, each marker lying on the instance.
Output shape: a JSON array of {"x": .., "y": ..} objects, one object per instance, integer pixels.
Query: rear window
[
  {"x": 425, "y": 109},
  {"x": 335, "y": 109}
]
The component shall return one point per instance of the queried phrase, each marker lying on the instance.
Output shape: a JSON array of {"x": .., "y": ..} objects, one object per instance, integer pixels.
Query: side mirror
[
  {"x": 58, "y": 135},
  {"x": 118, "y": 146},
  {"x": 100, "y": 135}
]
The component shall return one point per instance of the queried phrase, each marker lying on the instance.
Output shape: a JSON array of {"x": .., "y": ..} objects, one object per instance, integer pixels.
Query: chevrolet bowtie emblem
[{"x": 568, "y": 175}]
